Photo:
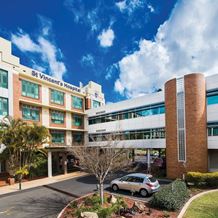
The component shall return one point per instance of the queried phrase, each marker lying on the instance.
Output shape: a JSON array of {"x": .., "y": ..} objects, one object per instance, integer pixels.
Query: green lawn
[{"x": 204, "y": 207}]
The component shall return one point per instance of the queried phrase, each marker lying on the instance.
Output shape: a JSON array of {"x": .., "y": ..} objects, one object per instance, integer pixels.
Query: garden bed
[{"x": 113, "y": 207}]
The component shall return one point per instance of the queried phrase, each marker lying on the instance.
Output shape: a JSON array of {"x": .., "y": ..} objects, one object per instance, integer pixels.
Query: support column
[
  {"x": 148, "y": 161},
  {"x": 49, "y": 164},
  {"x": 64, "y": 163}
]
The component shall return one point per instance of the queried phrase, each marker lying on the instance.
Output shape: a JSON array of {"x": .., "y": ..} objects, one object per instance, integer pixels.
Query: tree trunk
[{"x": 101, "y": 189}]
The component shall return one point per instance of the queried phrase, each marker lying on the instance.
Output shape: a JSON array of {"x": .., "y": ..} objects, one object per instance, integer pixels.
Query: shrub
[
  {"x": 203, "y": 179},
  {"x": 171, "y": 197}
]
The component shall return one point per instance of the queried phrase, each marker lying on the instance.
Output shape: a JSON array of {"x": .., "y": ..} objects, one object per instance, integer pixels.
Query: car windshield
[{"x": 152, "y": 179}]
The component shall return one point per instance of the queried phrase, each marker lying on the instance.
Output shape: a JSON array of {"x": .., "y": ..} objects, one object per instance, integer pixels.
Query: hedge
[
  {"x": 203, "y": 179},
  {"x": 171, "y": 197}
]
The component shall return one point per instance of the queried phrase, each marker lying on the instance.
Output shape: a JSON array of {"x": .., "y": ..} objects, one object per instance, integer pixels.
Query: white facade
[
  {"x": 146, "y": 122},
  {"x": 134, "y": 124}
]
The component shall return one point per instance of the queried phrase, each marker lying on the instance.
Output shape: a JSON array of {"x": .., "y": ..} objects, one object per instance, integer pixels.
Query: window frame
[
  {"x": 2, "y": 71},
  {"x": 73, "y": 97},
  {"x": 57, "y": 112},
  {"x": 58, "y": 132},
  {"x": 53, "y": 101},
  {"x": 30, "y": 83},
  {"x": 2, "y": 99},
  {"x": 30, "y": 107}
]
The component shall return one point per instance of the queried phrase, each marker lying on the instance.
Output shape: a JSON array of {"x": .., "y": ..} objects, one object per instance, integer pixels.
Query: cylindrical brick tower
[{"x": 186, "y": 125}]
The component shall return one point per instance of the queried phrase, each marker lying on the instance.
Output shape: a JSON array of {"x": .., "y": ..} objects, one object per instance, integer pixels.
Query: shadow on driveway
[{"x": 43, "y": 207}]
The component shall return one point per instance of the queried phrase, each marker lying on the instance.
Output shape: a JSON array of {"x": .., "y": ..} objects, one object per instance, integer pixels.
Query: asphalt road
[{"x": 48, "y": 201}]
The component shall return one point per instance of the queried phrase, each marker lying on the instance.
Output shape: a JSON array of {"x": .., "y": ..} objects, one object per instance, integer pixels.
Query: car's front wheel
[
  {"x": 115, "y": 187},
  {"x": 143, "y": 192}
]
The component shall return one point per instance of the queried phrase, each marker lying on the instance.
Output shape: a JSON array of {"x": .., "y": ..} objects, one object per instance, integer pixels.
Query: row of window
[
  {"x": 129, "y": 114},
  {"x": 157, "y": 133},
  {"x": 57, "y": 117},
  {"x": 59, "y": 137},
  {"x": 31, "y": 90}
]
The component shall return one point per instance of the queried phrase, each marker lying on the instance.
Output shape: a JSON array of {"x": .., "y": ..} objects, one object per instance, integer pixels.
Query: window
[
  {"x": 96, "y": 104},
  {"x": 3, "y": 106},
  {"x": 57, "y": 117},
  {"x": 77, "y": 120},
  {"x": 30, "y": 113},
  {"x": 3, "y": 79},
  {"x": 78, "y": 137},
  {"x": 157, "y": 133},
  {"x": 57, "y": 97},
  {"x": 209, "y": 131},
  {"x": 129, "y": 114},
  {"x": 77, "y": 102},
  {"x": 212, "y": 99},
  {"x": 58, "y": 136},
  {"x": 215, "y": 131},
  {"x": 180, "y": 105},
  {"x": 30, "y": 89}
]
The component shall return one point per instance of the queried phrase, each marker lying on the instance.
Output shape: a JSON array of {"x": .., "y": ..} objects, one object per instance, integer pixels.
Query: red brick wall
[{"x": 196, "y": 131}]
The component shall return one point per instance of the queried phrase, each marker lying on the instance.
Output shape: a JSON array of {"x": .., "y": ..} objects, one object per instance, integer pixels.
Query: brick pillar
[{"x": 195, "y": 126}]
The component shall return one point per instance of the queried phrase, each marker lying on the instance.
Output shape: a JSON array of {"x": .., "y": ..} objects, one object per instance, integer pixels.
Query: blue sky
[{"x": 129, "y": 47}]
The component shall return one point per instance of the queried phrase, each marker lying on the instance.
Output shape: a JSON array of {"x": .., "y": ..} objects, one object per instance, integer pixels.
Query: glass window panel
[
  {"x": 30, "y": 113},
  {"x": 209, "y": 131},
  {"x": 3, "y": 78},
  {"x": 77, "y": 102},
  {"x": 78, "y": 137},
  {"x": 155, "y": 111},
  {"x": 30, "y": 89},
  {"x": 57, "y": 117},
  {"x": 212, "y": 99},
  {"x": 3, "y": 106},
  {"x": 57, "y": 97},
  {"x": 77, "y": 120},
  {"x": 96, "y": 104},
  {"x": 215, "y": 131},
  {"x": 58, "y": 137}
]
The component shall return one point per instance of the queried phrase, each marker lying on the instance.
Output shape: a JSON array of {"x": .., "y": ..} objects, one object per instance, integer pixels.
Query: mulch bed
[{"x": 147, "y": 213}]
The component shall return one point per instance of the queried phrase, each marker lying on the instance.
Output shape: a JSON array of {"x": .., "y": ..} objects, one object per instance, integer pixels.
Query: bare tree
[{"x": 101, "y": 158}]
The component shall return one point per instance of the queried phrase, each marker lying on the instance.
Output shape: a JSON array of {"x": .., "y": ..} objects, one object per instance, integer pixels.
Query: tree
[
  {"x": 12, "y": 137},
  {"x": 101, "y": 159},
  {"x": 21, "y": 141}
]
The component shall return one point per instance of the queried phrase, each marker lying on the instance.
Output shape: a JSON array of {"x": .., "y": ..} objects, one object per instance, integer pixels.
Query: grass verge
[{"x": 205, "y": 206}]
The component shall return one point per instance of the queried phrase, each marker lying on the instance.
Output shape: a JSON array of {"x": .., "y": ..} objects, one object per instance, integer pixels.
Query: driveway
[{"x": 49, "y": 200}]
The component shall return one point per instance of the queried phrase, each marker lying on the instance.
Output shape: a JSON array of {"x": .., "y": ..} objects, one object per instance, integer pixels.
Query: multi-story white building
[
  {"x": 183, "y": 119},
  {"x": 36, "y": 97}
]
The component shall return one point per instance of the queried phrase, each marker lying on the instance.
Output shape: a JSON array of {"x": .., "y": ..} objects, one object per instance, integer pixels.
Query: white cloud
[
  {"x": 106, "y": 38},
  {"x": 121, "y": 5},
  {"x": 111, "y": 70},
  {"x": 88, "y": 60},
  {"x": 84, "y": 16},
  {"x": 49, "y": 53},
  {"x": 186, "y": 42},
  {"x": 24, "y": 42},
  {"x": 129, "y": 6},
  {"x": 151, "y": 8}
]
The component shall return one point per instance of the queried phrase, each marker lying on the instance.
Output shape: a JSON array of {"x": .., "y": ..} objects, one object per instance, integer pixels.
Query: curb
[
  {"x": 62, "y": 211},
  {"x": 182, "y": 212}
]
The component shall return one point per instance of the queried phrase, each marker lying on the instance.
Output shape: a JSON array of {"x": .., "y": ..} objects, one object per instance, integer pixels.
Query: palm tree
[
  {"x": 21, "y": 141},
  {"x": 12, "y": 137}
]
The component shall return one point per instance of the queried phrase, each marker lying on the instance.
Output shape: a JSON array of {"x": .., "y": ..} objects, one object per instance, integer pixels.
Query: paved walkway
[{"x": 39, "y": 182}]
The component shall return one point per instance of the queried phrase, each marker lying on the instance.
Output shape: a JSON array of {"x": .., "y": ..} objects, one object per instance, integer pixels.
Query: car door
[
  {"x": 123, "y": 183},
  {"x": 135, "y": 183}
]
